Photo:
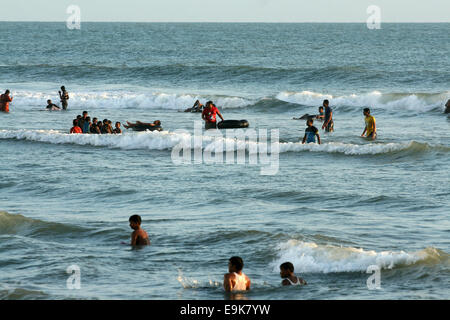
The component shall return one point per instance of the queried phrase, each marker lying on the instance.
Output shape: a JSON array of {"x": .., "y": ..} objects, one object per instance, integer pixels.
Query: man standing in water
[
  {"x": 64, "y": 96},
  {"x": 5, "y": 99},
  {"x": 209, "y": 115},
  {"x": 328, "y": 123},
  {"x": 371, "y": 127}
]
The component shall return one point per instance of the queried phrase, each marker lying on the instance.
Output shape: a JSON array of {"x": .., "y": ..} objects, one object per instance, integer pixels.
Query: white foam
[
  {"x": 375, "y": 99},
  {"x": 309, "y": 257},
  {"x": 155, "y": 100},
  {"x": 167, "y": 140}
]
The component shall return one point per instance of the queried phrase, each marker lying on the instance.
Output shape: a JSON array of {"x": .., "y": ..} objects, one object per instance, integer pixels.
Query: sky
[{"x": 227, "y": 10}]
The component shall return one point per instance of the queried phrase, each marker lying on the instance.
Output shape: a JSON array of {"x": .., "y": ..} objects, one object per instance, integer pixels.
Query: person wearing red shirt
[
  {"x": 75, "y": 128},
  {"x": 5, "y": 99},
  {"x": 209, "y": 115}
]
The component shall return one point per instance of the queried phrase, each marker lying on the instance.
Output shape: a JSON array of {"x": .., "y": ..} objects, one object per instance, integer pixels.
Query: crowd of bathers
[{"x": 83, "y": 124}]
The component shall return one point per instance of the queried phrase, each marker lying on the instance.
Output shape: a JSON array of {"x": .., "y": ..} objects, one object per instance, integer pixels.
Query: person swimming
[
  {"x": 288, "y": 275},
  {"x": 139, "y": 237},
  {"x": 307, "y": 116},
  {"x": 235, "y": 279},
  {"x": 197, "y": 107},
  {"x": 142, "y": 126},
  {"x": 51, "y": 106}
]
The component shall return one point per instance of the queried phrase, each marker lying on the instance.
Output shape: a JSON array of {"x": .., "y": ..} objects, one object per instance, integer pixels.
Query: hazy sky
[{"x": 227, "y": 10}]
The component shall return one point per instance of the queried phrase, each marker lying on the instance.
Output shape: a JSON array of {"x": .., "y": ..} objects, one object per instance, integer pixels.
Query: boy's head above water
[
  {"x": 286, "y": 269},
  {"x": 235, "y": 264},
  {"x": 135, "y": 222}
]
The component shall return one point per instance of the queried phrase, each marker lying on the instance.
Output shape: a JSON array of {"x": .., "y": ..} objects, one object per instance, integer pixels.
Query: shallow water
[{"x": 332, "y": 210}]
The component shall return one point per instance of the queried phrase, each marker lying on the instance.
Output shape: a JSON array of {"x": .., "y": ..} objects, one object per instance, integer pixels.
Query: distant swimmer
[
  {"x": 64, "y": 96},
  {"x": 209, "y": 115},
  {"x": 235, "y": 279},
  {"x": 307, "y": 116},
  {"x": 311, "y": 133},
  {"x": 51, "y": 106},
  {"x": 289, "y": 277},
  {"x": 5, "y": 99},
  {"x": 139, "y": 237},
  {"x": 117, "y": 129},
  {"x": 447, "y": 106},
  {"x": 143, "y": 126},
  {"x": 328, "y": 123},
  {"x": 197, "y": 107},
  {"x": 371, "y": 128},
  {"x": 75, "y": 128}
]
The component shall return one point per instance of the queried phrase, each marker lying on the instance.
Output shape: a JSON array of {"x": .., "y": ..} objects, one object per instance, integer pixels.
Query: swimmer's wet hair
[
  {"x": 367, "y": 110},
  {"x": 135, "y": 218},
  {"x": 287, "y": 266},
  {"x": 237, "y": 262}
]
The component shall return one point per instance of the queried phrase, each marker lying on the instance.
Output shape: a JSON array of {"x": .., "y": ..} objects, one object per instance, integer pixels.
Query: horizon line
[{"x": 274, "y": 22}]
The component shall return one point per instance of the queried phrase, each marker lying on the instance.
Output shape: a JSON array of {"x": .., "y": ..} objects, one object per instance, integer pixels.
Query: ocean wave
[
  {"x": 309, "y": 257},
  {"x": 415, "y": 102},
  {"x": 19, "y": 224},
  {"x": 154, "y": 100},
  {"x": 389, "y": 102},
  {"x": 167, "y": 140}
]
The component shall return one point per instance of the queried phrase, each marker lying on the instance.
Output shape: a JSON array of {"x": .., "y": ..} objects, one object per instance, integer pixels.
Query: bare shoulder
[{"x": 285, "y": 282}]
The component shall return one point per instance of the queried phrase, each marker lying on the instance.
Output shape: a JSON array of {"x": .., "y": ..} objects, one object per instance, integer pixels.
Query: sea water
[{"x": 334, "y": 210}]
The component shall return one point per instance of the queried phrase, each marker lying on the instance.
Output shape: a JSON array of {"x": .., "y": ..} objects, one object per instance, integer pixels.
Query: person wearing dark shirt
[
  {"x": 311, "y": 133},
  {"x": 51, "y": 106},
  {"x": 64, "y": 96},
  {"x": 328, "y": 123}
]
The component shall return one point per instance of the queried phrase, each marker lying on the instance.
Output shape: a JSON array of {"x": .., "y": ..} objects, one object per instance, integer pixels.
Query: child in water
[
  {"x": 139, "y": 237},
  {"x": 289, "y": 277},
  {"x": 235, "y": 279}
]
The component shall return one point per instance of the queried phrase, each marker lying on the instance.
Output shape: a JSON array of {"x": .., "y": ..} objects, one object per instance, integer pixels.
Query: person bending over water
[
  {"x": 311, "y": 133},
  {"x": 139, "y": 237},
  {"x": 209, "y": 115},
  {"x": 307, "y": 116},
  {"x": 235, "y": 279},
  {"x": 197, "y": 107},
  {"x": 51, "y": 106},
  {"x": 371, "y": 127},
  {"x": 289, "y": 277}
]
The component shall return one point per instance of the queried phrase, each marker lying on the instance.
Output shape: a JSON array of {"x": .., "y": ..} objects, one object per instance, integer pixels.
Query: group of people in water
[
  {"x": 326, "y": 115},
  {"x": 83, "y": 124},
  {"x": 235, "y": 279}
]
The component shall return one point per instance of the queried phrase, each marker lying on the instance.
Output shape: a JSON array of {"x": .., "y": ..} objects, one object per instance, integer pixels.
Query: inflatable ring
[{"x": 232, "y": 124}]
